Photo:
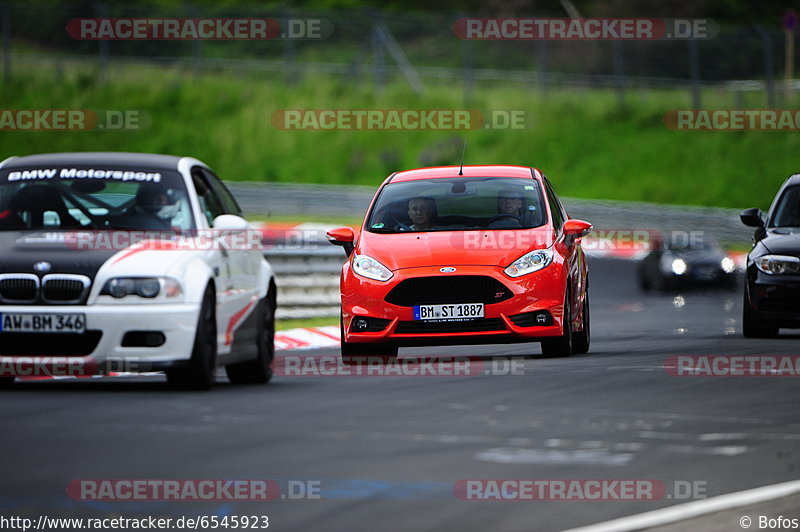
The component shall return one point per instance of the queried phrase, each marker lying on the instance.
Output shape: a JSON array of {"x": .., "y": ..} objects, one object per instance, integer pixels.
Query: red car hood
[{"x": 452, "y": 248}]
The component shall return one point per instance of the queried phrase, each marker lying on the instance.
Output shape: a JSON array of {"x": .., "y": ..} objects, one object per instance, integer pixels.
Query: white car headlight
[
  {"x": 727, "y": 264},
  {"x": 371, "y": 268},
  {"x": 530, "y": 262},
  {"x": 778, "y": 264},
  {"x": 145, "y": 287},
  {"x": 679, "y": 266}
]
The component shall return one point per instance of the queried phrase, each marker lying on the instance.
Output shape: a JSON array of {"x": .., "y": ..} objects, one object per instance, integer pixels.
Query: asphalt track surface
[{"x": 387, "y": 451}]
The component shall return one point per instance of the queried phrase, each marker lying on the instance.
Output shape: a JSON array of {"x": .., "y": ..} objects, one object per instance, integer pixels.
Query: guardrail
[
  {"x": 307, "y": 280},
  {"x": 307, "y": 267},
  {"x": 343, "y": 200}
]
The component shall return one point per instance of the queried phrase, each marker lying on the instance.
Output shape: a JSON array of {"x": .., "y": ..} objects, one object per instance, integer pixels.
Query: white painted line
[
  {"x": 689, "y": 510},
  {"x": 503, "y": 455}
]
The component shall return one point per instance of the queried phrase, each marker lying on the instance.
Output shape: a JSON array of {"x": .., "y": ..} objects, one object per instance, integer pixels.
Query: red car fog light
[
  {"x": 539, "y": 318},
  {"x": 363, "y": 324}
]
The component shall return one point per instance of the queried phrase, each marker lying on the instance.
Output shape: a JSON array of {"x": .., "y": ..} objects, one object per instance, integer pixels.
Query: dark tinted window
[
  {"x": 102, "y": 196},
  {"x": 787, "y": 211},
  {"x": 228, "y": 201},
  {"x": 555, "y": 206},
  {"x": 210, "y": 203}
]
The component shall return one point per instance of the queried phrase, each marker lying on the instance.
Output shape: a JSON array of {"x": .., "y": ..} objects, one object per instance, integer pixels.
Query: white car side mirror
[{"x": 230, "y": 222}]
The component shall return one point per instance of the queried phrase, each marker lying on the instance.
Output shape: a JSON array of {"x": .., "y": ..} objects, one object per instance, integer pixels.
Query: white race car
[{"x": 129, "y": 262}]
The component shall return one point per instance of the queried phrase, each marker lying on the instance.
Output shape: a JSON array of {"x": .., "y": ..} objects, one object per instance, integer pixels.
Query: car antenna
[{"x": 463, "y": 151}]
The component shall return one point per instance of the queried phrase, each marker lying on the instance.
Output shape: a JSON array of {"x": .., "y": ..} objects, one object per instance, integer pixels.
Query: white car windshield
[{"x": 124, "y": 199}]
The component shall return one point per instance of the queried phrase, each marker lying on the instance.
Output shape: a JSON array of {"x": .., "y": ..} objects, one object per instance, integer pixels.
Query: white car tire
[
  {"x": 258, "y": 370},
  {"x": 200, "y": 372}
]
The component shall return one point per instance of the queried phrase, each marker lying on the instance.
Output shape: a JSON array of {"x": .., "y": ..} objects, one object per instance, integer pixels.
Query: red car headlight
[
  {"x": 530, "y": 262},
  {"x": 368, "y": 267}
]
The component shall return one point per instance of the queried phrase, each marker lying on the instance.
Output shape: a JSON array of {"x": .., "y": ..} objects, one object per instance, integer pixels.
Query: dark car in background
[
  {"x": 772, "y": 288},
  {"x": 679, "y": 263}
]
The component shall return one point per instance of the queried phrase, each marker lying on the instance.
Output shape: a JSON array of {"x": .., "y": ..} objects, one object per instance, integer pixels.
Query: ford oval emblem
[
  {"x": 42, "y": 267},
  {"x": 448, "y": 269}
]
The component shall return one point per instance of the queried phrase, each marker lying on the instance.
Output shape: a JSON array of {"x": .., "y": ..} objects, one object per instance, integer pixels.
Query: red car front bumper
[{"x": 532, "y": 306}]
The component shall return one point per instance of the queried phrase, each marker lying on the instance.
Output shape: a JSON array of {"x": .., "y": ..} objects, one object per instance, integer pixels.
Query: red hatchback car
[{"x": 452, "y": 256}]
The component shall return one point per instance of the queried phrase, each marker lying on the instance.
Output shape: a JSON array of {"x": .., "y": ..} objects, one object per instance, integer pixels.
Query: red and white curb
[
  {"x": 291, "y": 233},
  {"x": 593, "y": 246},
  {"x": 290, "y": 339},
  {"x": 307, "y": 338}
]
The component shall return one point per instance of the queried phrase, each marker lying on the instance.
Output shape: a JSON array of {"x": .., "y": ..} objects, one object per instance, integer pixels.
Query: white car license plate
[
  {"x": 42, "y": 323},
  {"x": 459, "y": 312}
]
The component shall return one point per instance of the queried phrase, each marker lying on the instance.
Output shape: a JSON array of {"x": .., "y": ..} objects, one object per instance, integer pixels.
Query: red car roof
[{"x": 469, "y": 171}]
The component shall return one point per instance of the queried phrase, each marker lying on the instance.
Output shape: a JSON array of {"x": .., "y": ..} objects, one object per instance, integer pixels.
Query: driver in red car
[{"x": 422, "y": 212}]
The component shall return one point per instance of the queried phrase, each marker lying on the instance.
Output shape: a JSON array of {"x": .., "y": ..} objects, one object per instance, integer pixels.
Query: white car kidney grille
[{"x": 58, "y": 289}]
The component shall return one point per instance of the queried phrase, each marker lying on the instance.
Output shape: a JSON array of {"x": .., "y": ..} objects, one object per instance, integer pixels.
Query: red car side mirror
[
  {"x": 577, "y": 228},
  {"x": 342, "y": 236}
]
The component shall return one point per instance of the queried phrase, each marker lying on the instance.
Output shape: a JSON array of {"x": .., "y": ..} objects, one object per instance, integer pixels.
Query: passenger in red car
[{"x": 509, "y": 201}]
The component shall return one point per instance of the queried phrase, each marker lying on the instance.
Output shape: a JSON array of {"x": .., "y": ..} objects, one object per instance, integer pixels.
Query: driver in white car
[{"x": 153, "y": 208}]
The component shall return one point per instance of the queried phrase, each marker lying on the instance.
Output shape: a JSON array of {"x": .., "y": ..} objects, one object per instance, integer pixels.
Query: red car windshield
[{"x": 458, "y": 204}]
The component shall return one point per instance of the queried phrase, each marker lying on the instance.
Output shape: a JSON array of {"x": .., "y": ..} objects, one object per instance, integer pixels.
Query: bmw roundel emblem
[
  {"x": 448, "y": 269},
  {"x": 42, "y": 267}
]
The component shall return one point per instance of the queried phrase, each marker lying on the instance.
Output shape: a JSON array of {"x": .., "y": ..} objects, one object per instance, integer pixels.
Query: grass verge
[{"x": 587, "y": 143}]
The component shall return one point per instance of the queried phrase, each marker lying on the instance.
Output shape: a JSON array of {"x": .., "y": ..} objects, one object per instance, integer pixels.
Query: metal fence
[
  {"x": 337, "y": 200},
  {"x": 307, "y": 267},
  {"x": 376, "y": 46}
]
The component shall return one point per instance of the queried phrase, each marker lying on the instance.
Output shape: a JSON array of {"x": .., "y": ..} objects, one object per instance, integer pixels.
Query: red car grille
[{"x": 445, "y": 290}]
